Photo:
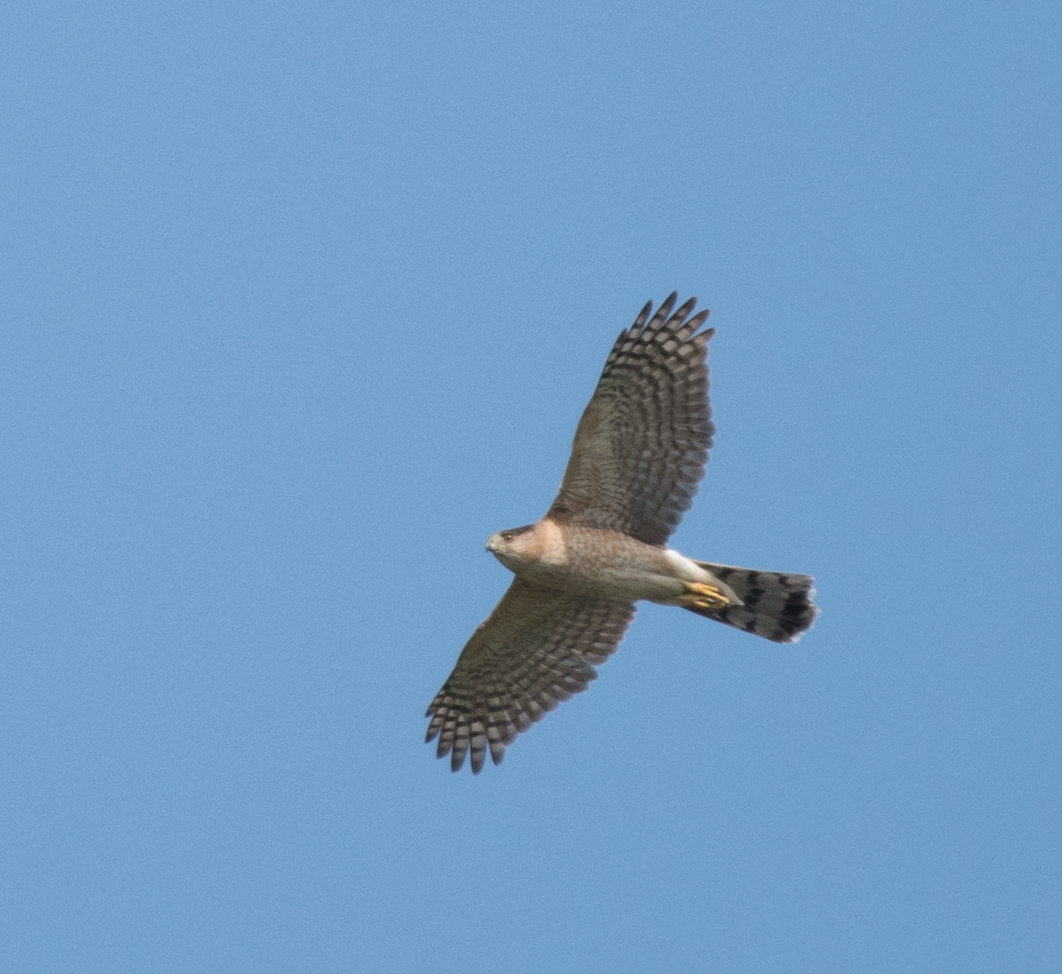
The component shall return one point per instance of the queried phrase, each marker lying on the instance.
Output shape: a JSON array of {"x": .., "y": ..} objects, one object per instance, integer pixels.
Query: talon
[{"x": 702, "y": 596}]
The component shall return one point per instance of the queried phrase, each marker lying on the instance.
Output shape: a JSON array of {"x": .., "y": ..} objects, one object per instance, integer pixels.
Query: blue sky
[{"x": 299, "y": 303}]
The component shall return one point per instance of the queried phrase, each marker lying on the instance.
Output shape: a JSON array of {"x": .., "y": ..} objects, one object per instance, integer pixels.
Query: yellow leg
[{"x": 701, "y": 596}]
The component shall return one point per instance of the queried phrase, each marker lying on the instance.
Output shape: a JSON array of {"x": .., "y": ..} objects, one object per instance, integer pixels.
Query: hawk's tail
[{"x": 776, "y": 606}]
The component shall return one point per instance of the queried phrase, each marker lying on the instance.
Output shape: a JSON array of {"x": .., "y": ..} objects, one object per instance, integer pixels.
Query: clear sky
[{"x": 300, "y": 302}]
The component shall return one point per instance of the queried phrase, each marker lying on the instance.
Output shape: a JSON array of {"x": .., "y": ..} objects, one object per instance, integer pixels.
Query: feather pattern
[
  {"x": 642, "y": 443},
  {"x": 538, "y": 648}
]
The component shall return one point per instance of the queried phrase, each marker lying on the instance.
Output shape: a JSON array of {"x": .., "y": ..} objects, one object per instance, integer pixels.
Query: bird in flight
[{"x": 638, "y": 456}]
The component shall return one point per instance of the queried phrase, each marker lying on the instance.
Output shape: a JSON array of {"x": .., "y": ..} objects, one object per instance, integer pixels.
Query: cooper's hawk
[{"x": 638, "y": 456}]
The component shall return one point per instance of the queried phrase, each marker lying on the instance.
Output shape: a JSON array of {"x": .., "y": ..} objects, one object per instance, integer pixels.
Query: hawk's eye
[{"x": 508, "y": 536}]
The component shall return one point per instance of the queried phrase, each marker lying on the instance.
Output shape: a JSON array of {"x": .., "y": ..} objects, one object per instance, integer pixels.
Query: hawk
[{"x": 639, "y": 453}]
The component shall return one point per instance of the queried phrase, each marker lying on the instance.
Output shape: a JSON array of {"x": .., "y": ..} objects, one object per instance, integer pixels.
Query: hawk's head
[
  {"x": 530, "y": 550},
  {"x": 512, "y": 544}
]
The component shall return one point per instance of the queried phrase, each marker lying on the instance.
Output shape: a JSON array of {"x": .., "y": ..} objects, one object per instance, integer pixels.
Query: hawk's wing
[
  {"x": 538, "y": 647},
  {"x": 643, "y": 440}
]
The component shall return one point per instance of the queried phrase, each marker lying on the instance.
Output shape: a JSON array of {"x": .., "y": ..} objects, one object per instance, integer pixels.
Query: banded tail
[{"x": 777, "y": 605}]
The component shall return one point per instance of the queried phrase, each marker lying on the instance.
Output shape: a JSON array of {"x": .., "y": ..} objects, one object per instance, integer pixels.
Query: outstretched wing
[
  {"x": 642, "y": 443},
  {"x": 537, "y": 648}
]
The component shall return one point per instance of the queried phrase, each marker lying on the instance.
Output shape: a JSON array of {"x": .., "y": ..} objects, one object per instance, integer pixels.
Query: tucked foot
[{"x": 707, "y": 598}]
